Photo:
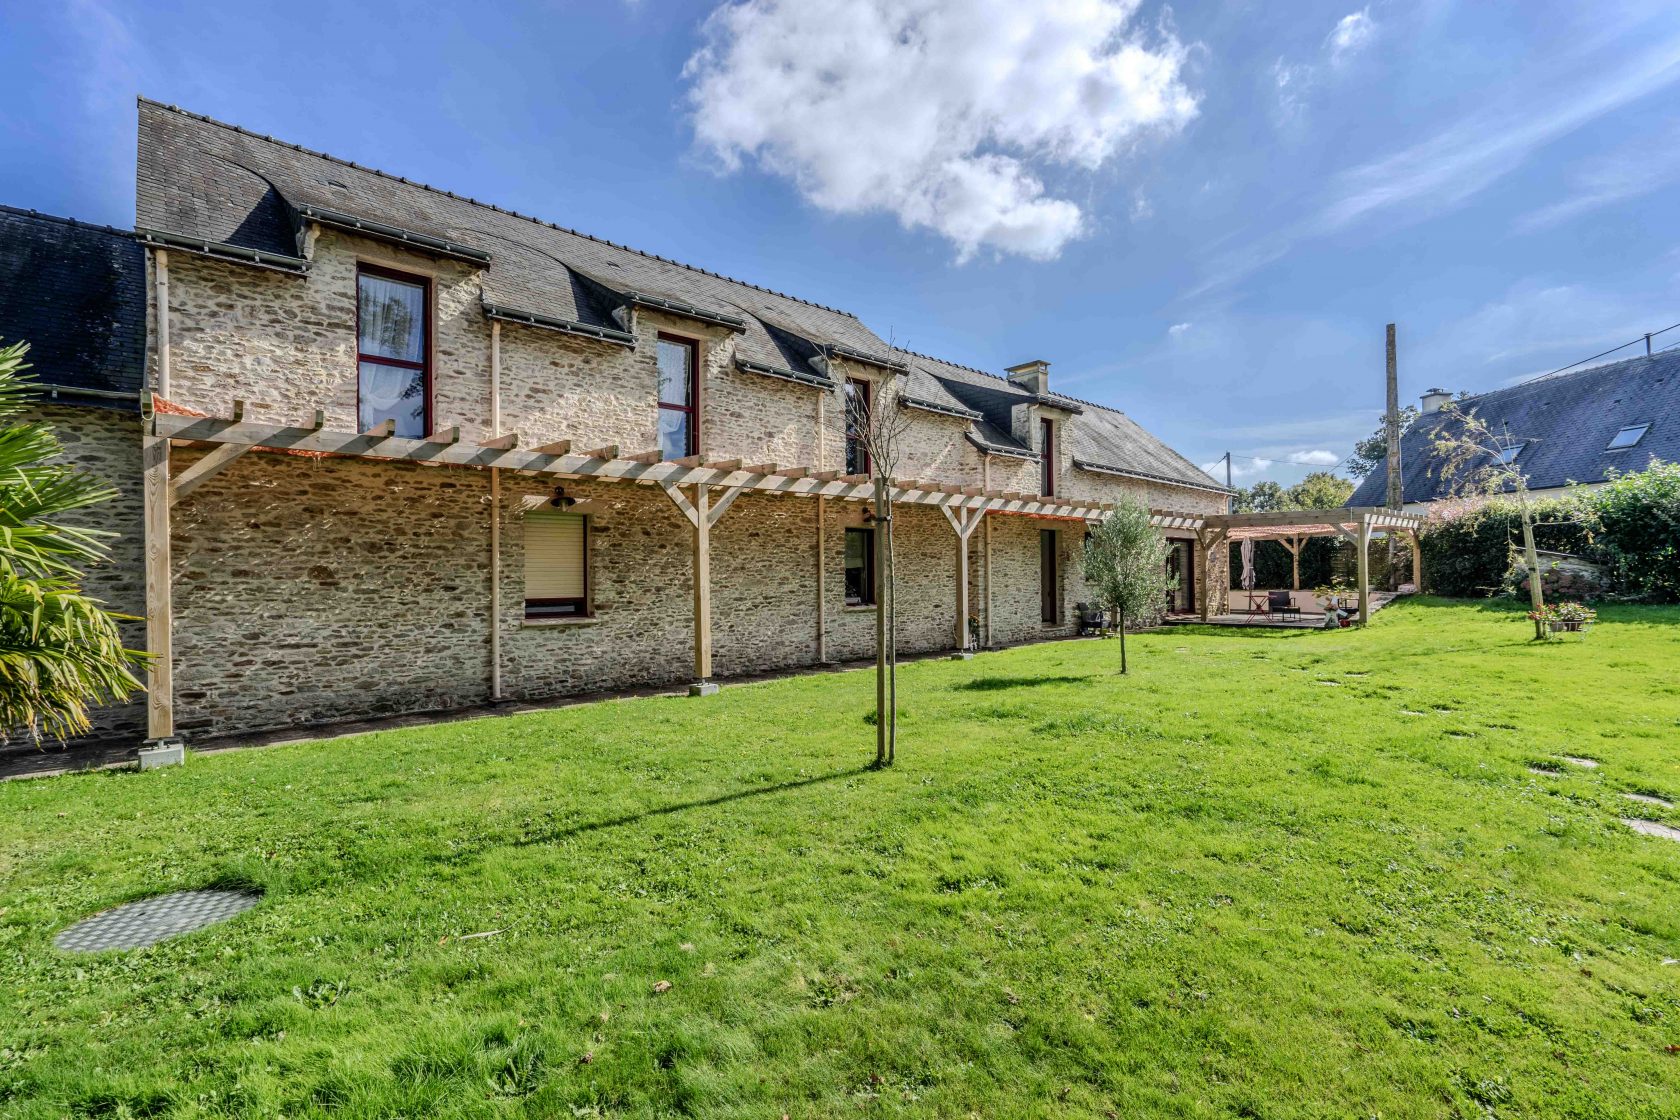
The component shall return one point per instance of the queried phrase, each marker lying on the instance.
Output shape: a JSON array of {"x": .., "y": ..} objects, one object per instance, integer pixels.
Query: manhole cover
[{"x": 136, "y": 925}]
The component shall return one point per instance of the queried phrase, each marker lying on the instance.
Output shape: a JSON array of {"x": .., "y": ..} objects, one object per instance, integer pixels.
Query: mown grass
[{"x": 1268, "y": 874}]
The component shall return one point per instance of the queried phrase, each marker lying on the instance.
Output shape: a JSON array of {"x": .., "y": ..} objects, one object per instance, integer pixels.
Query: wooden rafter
[{"x": 601, "y": 463}]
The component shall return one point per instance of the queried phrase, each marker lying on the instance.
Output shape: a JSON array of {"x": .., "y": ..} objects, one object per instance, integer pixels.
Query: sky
[{"x": 1201, "y": 213}]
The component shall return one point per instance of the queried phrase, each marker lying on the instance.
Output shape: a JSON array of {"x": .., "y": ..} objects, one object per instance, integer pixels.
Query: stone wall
[
  {"x": 106, "y": 443},
  {"x": 310, "y": 590}
]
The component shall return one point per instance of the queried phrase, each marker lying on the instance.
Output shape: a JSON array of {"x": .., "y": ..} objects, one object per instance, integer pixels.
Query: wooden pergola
[
  {"x": 701, "y": 488},
  {"x": 1293, "y": 528}
]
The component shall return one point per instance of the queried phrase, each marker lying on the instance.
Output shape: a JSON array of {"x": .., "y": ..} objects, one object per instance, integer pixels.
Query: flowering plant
[{"x": 1564, "y": 612}]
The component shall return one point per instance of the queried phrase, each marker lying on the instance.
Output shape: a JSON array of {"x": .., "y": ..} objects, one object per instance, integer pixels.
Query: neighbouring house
[
  {"x": 400, "y": 450},
  {"x": 1567, "y": 428}
]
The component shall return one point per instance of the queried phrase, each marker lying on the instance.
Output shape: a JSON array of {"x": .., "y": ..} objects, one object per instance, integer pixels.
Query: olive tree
[{"x": 1126, "y": 567}]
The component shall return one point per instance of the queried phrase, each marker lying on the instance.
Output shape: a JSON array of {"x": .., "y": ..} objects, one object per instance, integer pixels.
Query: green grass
[{"x": 1268, "y": 874}]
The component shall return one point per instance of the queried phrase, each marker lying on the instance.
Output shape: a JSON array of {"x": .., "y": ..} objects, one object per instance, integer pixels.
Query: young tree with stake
[
  {"x": 1476, "y": 461},
  {"x": 1126, "y": 566},
  {"x": 876, "y": 422}
]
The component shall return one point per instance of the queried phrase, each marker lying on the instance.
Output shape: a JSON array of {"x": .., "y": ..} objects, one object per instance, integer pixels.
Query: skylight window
[
  {"x": 1628, "y": 436},
  {"x": 1509, "y": 454}
]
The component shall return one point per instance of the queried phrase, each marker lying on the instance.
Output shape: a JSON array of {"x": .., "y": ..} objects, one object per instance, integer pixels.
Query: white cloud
[
  {"x": 1634, "y": 170},
  {"x": 1315, "y": 458},
  {"x": 1352, "y": 34},
  {"x": 944, "y": 113},
  {"x": 1241, "y": 467},
  {"x": 1457, "y": 163},
  {"x": 1177, "y": 330},
  {"x": 1291, "y": 82}
]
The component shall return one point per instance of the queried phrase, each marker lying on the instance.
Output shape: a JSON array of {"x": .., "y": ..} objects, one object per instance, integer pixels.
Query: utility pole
[
  {"x": 1396, "y": 486},
  {"x": 1230, "y": 500}
]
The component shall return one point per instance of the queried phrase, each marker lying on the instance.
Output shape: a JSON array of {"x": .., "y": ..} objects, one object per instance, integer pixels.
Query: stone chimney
[
  {"x": 1034, "y": 377},
  {"x": 1434, "y": 399}
]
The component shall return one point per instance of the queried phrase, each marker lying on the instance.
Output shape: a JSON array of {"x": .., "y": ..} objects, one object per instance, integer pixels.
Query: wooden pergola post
[
  {"x": 160, "y": 670},
  {"x": 702, "y": 515},
  {"x": 1210, "y": 540},
  {"x": 1417, "y": 562},
  {"x": 963, "y": 521},
  {"x": 1294, "y": 545},
  {"x": 1362, "y": 537}
]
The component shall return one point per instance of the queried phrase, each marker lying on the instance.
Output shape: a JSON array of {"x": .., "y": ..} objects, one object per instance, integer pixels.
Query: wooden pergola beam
[
  {"x": 214, "y": 462},
  {"x": 600, "y": 463}
]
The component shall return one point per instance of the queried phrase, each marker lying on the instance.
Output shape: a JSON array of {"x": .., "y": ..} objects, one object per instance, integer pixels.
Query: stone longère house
[{"x": 397, "y": 450}]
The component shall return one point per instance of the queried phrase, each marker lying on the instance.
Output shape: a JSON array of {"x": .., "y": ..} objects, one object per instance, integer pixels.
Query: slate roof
[
  {"x": 232, "y": 192},
  {"x": 1566, "y": 422},
  {"x": 77, "y": 294}
]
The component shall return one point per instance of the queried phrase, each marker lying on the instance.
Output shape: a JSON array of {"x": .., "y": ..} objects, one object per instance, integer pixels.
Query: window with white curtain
[{"x": 393, "y": 351}]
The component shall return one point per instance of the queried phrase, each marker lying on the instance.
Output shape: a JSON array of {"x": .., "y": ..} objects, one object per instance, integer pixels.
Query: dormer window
[
  {"x": 1508, "y": 455},
  {"x": 1627, "y": 437}
]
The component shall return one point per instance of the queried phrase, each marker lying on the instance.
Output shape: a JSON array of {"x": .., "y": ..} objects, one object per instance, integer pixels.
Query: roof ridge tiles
[
  {"x": 24, "y": 212},
  {"x": 142, "y": 99}
]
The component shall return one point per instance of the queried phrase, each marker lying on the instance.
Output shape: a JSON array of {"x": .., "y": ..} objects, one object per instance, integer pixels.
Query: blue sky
[{"x": 1203, "y": 213}]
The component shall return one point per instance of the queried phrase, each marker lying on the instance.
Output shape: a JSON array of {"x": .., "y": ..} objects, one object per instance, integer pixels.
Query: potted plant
[{"x": 1564, "y": 618}]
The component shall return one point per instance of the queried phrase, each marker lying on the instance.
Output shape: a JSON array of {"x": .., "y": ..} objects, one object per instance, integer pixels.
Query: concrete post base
[
  {"x": 162, "y": 752},
  {"x": 702, "y": 688}
]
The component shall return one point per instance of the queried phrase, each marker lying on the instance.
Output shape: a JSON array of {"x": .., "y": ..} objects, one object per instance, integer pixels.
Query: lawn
[{"x": 1267, "y": 874}]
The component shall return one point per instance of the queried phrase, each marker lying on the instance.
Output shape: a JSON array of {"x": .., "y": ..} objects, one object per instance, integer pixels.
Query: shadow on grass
[
  {"x": 999, "y": 684},
  {"x": 685, "y": 806}
]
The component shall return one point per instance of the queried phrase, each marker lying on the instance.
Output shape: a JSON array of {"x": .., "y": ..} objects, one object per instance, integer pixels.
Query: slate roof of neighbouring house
[
  {"x": 77, "y": 294},
  {"x": 1565, "y": 422},
  {"x": 204, "y": 181}
]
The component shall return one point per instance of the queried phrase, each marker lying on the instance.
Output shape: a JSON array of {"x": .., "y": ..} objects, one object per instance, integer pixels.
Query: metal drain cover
[{"x": 136, "y": 925}]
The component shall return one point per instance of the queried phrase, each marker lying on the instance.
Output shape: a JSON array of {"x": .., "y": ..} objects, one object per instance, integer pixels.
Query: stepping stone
[
  {"x": 135, "y": 925},
  {"x": 1542, "y": 771},
  {"x": 1652, "y": 828},
  {"x": 1647, "y": 799},
  {"x": 1409, "y": 712},
  {"x": 1574, "y": 760}
]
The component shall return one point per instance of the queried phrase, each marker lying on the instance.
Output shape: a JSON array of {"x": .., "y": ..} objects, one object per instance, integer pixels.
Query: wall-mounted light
[{"x": 561, "y": 500}]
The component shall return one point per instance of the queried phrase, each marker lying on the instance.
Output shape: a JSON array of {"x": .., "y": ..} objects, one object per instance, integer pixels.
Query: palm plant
[{"x": 60, "y": 650}]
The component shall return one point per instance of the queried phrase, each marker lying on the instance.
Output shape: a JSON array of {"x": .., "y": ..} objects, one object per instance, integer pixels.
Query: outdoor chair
[
  {"x": 1281, "y": 604},
  {"x": 1091, "y": 620}
]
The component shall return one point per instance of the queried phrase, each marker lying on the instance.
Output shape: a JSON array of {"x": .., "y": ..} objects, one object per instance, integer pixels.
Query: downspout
[
  {"x": 822, "y": 539},
  {"x": 160, "y": 265},
  {"x": 986, "y": 540},
  {"x": 495, "y": 517}
]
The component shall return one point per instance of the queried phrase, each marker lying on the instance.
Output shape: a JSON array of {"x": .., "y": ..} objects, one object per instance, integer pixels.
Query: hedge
[{"x": 1631, "y": 527}]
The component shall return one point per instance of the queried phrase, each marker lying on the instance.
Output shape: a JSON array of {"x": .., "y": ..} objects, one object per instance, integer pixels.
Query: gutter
[
  {"x": 660, "y": 303},
  {"x": 942, "y": 409},
  {"x": 221, "y": 250},
  {"x": 835, "y": 349},
  {"x": 999, "y": 449},
  {"x": 809, "y": 380},
  {"x": 1103, "y": 468},
  {"x": 434, "y": 245},
  {"x": 565, "y": 326}
]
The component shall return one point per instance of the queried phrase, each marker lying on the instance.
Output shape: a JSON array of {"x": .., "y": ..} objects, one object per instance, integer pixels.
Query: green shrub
[
  {"x": 1638, "y": 533},
  {"x": 1468, "y": 554}
]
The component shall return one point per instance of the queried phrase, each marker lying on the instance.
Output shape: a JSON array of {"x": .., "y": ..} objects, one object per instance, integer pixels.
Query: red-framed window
[
  {"x": 394, "y": 350},
  {"x": 858, "y": 402},
  {"x": 1047, "y": 444},
  {"x": 679, "y": 413}
]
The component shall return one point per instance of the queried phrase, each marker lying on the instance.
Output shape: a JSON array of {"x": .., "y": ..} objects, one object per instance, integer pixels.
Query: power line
[{"x": 1606, "y": 353}]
